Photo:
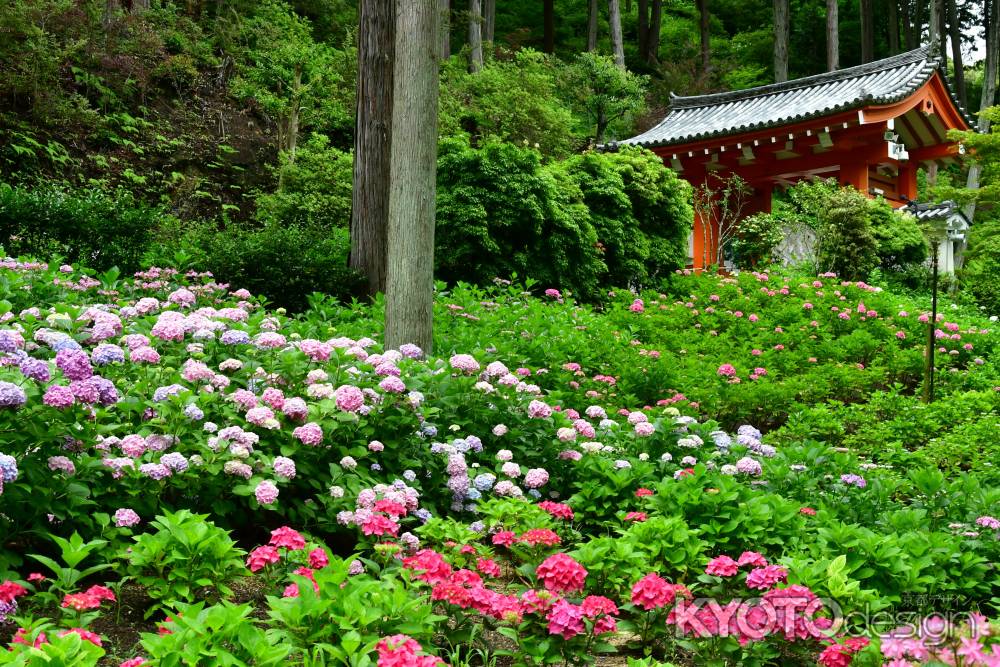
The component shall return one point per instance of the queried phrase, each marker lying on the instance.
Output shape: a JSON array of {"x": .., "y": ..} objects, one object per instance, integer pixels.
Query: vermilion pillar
[
  {"x": 855, "y": 174},
  {"x": 906, "y": 183}
]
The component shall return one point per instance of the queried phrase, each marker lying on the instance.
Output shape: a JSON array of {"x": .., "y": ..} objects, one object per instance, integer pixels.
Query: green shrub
[
  {"x": 900, "y": 242},
  {"x": 758, "y": 235},
  {"x": 641, "y": 211},
  {"x": 186, "y": 559},
  {"x": 285, "y": 263},
  {"x": 314, "y": 190},
  {"x": 501, "y": 212},
  {"x": 516, "y": 100},
  {"x": 97, "y": 228},
  {"x": 981, "y": 275},
  {"x": 846, "y": 243}
]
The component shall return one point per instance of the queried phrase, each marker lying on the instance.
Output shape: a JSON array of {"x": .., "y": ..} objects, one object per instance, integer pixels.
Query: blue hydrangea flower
[
  {"x": 235, "y": 337},
  {"x": 484, "y": 481},
  {"x": 106, "y": 353},
  {"x": 8, "y": 468},
  {"x": 163, "y": 393},
  {"x": 67, "y": 343},
  {"x": 193, "y": 412},
  {"x": 477, "y": 526}
]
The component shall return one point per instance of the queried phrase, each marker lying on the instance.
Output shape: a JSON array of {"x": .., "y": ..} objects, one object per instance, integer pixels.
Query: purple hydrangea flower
[
  {"x": 36, "y": 369},
  {"x": 175, "y": 461},
  {"x": 11, "y": 396},
  {"x": 854, "y": 480}
]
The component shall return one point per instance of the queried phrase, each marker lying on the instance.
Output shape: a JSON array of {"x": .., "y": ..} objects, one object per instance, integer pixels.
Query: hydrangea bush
[{"x": 574, "y": 482}]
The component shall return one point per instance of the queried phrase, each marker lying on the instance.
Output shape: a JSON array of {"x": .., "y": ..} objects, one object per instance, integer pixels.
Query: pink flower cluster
[{"x": 402, "y": 651}]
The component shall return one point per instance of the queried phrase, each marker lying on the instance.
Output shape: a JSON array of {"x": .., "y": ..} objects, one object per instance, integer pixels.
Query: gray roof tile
[{"x": 721, "y": 114}]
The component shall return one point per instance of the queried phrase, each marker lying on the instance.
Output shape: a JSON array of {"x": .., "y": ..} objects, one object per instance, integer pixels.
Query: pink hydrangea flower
[
  {"x": 559, "y": 573},
  {"x": 266, "y": 492}
]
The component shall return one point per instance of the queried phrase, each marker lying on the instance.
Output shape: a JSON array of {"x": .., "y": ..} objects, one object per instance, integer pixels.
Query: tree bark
[
  {"x": 444, "y": 9},
  {"x": 832, "y": 35},
  {"x": 991, "y": 21},
  {"x": 653, "y": 36},
  {"x": 955, "y": 32},
  {"x": 592, "y": 26},
  {"x": 934, "y": 28},
  {"x": 372, "y": 140},
  {"x": 893, "y": 17},
  {"x": 489, "y": 20},
  {"x": 292, "y": 134},
  {"x": 642, "y": 25},
  {"x": 111, "y": 7},
  {"x": 615, "y": 21},
  {"x": 907, "y": 27},
  {"x": 549, "y": 26},
  {"x": 867, "y": 31},
  {"x": 704, "y": 35},
  {"x": 475, "y": 36},
  {"x": 918, "y": 22},
  {"x": 409, "y": 298},
  {"x": 781, "y": 31}
]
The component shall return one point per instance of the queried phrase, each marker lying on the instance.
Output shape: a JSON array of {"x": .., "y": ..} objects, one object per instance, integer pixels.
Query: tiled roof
[
  {"x": 721, "y": 114},
  {"x": 933, "y": 211}
]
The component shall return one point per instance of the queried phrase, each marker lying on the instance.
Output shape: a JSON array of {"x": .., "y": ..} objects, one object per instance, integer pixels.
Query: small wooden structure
[{"x": 870, "y": 126}]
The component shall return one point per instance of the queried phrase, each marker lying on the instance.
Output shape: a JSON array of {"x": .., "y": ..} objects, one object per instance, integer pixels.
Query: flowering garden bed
[{"x": 191, "y": 478}]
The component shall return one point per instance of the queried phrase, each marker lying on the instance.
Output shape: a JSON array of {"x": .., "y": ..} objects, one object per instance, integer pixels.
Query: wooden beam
[{"x": 937, "y": 152}]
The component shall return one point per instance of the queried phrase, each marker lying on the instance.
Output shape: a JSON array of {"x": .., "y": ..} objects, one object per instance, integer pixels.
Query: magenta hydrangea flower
[
  {"x": 74, "y": 364},
  {"x": 58, "y": 396}
]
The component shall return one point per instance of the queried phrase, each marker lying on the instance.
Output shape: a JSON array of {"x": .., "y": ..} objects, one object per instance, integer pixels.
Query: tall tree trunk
[
  {"x": 615, "y": 21},
  {"x": 549, "y": 26},
  {"x": 372, "y": 139},
  {"x": 653, "y": 37},
  {"x": 911, "y": 43},
  {"x": 409, "y": 298},
  {"x": 643, "y": 25},
  {"x": 893, "y": 17},
  {"x": 781, "y": 31},
  {"x": 867, "y": 31},
  {"x": 705, "y": 36},
  {"x": 918, "y": 21},
  {"x": 955, "y": 32},
  {"x": 294, "y": 111},
  {"x": 111, "y": 7},
  {"x": 832, "y": 35},
  {"x": 991, "y": 21},
  {"x": 592, "y": 26},
  {"x": 475, "y": 35},
  {"x": 444, "y": 9},
  {"x": 934, "y": 36},
  {"x": 489, "y": 20}
]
